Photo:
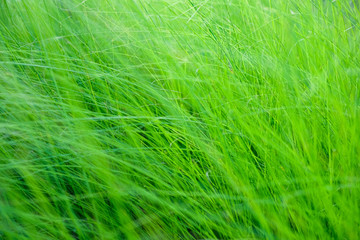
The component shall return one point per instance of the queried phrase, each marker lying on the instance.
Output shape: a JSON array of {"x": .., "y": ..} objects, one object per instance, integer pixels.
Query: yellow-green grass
[{"x": 154, "y": 119}]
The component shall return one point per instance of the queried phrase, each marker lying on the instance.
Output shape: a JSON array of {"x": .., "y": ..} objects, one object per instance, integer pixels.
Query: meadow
[{"x": 168, "y": 119}]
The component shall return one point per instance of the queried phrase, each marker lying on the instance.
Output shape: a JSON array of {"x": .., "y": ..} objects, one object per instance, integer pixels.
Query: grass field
[{"x": 167, "y": 119}]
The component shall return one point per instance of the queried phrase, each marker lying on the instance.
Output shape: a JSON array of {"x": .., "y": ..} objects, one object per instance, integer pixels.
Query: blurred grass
[{"x": 179, "y": 119}]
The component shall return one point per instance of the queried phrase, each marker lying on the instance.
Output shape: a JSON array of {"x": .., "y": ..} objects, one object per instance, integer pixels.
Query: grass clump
[{"x": 179, "y": 119}]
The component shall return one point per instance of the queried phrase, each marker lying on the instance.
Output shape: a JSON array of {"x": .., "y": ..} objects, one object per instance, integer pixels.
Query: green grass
[{"x": 179, "y": 119}]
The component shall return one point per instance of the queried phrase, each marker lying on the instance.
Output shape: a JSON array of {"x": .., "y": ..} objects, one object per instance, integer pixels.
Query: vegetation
[{"x": 167, "y": 119}]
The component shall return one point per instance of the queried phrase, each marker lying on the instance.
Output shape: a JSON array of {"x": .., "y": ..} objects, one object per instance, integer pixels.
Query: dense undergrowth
[{"x": 179, "y": 119}]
